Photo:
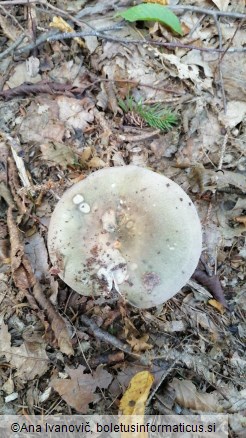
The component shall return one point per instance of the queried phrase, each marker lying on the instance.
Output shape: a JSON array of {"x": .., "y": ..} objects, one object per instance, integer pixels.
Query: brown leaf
[
  {"x": 30, "y": 358},
  {"x": 41, "y": 87},
  {"x": 58, "y": 325},
  {"x": 133, "y": 339},
  {"x": 102, "y": 377},
  {"x": 21, "y": 269},
  {"x": 78, "y": 391},
  {"x": 25, "y": 279},
  {"x": 188, "y": 397}
]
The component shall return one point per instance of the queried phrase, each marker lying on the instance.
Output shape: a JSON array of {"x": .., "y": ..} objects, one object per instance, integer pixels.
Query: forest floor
[{"x": 60, "y": 120}]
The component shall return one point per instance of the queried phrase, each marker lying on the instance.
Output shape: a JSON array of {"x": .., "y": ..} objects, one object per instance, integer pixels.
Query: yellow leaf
[
  {"x": 134, "y": 400},
  {"x": 133, "y": 403},
  {"x": 217, "y": 306},
  {"x": 59, "y": 23}
]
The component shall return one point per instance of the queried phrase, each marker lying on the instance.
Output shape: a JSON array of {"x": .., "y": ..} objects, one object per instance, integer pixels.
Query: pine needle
[{"x": 154, "y": 115}]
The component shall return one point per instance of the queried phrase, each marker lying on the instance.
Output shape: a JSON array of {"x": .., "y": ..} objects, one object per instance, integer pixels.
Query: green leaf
[{"x": 152, "y": 12}]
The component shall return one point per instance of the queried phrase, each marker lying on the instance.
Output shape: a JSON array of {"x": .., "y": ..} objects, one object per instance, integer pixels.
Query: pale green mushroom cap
[{"x": 127, "y": 229}]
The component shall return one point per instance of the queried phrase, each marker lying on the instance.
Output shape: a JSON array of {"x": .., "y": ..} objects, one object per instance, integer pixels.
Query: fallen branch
[
  {"x": 109, "y": 339},
  {"x": 41, "y": 87},
  {"x": 13, "y": 46},
  {"x": 213, "y": 12},
  {"x": 141, "y": 137},
  {"x": 172, "y": 45}
]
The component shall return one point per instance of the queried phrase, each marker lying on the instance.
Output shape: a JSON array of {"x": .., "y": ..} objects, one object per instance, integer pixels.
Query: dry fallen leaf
[
  {"x": 20, "y": 266},
  {"x": 217, "y": 306},
  {"x": 29, "y": 359},
  {"x": 59, "y": 23},
  {"x": 139, "y": 344},
  {"x": 222, "y": 5},
  {"x": 235, "y": 113},
  {"x": 134, "y": 399},
  {"x": 21, "y": 75},
  {"x": 75, "y": 113},
  {"x": 78, "y": 391},
  {"x": 188, "y": 397},
  {"x": 96, "y": 162},
  {"x": 55, "y": 153},
  {"x": 133, "y": 339}
]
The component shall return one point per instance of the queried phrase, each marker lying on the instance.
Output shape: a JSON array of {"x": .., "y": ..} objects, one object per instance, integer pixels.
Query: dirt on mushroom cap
[{"x": 139, "y": 235}]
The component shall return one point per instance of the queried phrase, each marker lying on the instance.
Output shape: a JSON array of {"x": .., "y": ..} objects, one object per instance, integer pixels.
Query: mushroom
[{"x": 125, "y": 229}]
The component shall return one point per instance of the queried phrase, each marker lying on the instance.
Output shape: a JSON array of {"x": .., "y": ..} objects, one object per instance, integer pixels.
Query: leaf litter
[{"x": 60, "y": 120}]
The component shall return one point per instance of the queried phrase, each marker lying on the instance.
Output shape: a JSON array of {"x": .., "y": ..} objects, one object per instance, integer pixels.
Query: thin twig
[
  {"x": 222, "y": 152},
  {"x": 98, "y": 34},
  {"x": 194, "y": 28},
  {"x": 221, "y": 81},
  {"x": 137, "y": 84},
  {"x": 54, "y": 35},
  {"x": 141, "y": 137},
  {"x": 173, "y": 7},
  {"x": 108, "y": 338},
  {"x": 232, "y": 38},
  {"x": 213, "y": 12},
  {"x": 13, "y": 46},
  {"x": 48, "y": 36},
  {"x": 164, "y": 375},
  {"x": 19, "y": 2},
  {"x": 11, "y": 16}
]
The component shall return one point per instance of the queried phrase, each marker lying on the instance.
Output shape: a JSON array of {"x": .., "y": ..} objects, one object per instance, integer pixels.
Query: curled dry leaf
[
  {"x": 139, "y": 344},
  {"x": 20, "y": 266},
  {"x": 133, "y": 338},
  {"x": 24, "y": 279},
  {"x": 188, "y": 397},
  {"x": 58, "y": 324}
]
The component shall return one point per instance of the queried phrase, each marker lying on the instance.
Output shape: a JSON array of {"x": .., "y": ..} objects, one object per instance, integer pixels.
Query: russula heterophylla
[{"x": 127, "y": 229}]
